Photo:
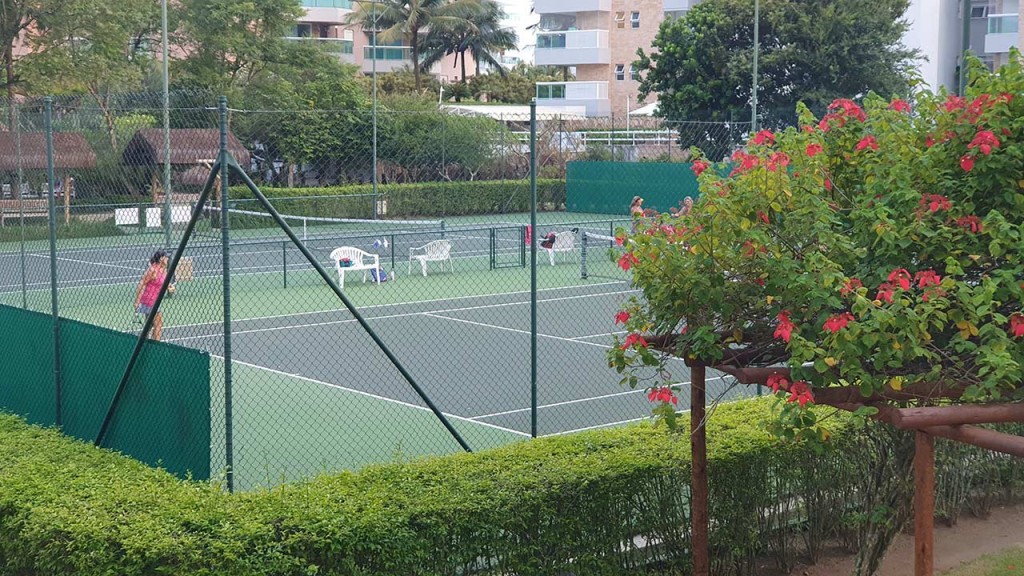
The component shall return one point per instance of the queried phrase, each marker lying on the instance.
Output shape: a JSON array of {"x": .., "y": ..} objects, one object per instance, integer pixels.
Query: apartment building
[
  {"x": 598, "y": 39},
  {"x": 324, "y": 22}
]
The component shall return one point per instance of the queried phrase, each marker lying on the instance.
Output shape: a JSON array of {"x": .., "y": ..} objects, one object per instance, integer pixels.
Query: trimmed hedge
[
  {"x": 419, "y": 199},
  {"x": 600, "y": 502}
]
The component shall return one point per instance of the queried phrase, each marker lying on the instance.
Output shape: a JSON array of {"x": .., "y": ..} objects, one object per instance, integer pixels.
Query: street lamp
[{"x": 167, "y": 126}]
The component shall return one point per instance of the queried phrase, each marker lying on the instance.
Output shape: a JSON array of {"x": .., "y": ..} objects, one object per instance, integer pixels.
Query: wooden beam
[
  {"x": 851, "y": 394},
  {"x": 924, "y": 417},
  {"x": 699, "y": 474},
  {"x": 982, "y": 438},
  {"x": 924, "y": 504},
  {"x": 752, "y": 375}
]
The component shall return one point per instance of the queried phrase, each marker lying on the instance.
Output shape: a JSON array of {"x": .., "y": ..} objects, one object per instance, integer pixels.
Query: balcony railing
[
  {"x": 570, "y": 6},
  {"x": 1002, "y": 33},
  {"x": 591, "y": 95},
  {"x": 390, "y": 53},
  {"x": 572, "y": 47},
  {"x": 330, "y": 45},
  {"x": 343, "y": 4}
]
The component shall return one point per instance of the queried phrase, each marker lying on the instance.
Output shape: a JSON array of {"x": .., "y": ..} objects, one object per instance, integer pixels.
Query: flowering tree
[{"x": 877, "y": 248}]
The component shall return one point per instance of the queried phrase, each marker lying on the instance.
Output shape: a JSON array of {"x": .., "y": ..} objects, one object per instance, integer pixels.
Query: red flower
[
  {"x": 900, "y": 105},
  {"x": 785, "y": 328},
  {"x": 985, "y": 141},
  {"x": 628, "y": 260},
  {"x": 929, "y": 141},
  {"x": 849, "y": 107},
  {"x": 1017, "y": 324},
  {"x": 621, "y": 317},
  {"x": 1004, "y": 97},
  {"x": 764, "y": 136},
  {"x": 777, "y": 381},
  {"x": 967, "y": 162},
  {"x": 935, "y": 202},
  {"x": 867, "y": 142},
  {"x": 763, "y": 217},
  {"x": 778, "y": 160},
  {"x": 813, "y": 149},
  {"x": 620, "y": 239},
  {"x": 800, "y": 392},
  {"x": 926, "y": 278},
  {"x": 885, "y": 290},
  {"x": 954, "y": 103},
  {"x": 828, "y": 183},
  {"x": 807, "y": 128},
  {"x": 850, "y": 286},
  {"x": 970, "y": 223},
  {"x": 746, "y": 161},
  {"x": 662, "y": 394},
  {"x": 634, "y": 338},
  {"x": 700, "y": 166},
  {"x": 837, "y": 322},
  {"x": 901, "y": 278}
]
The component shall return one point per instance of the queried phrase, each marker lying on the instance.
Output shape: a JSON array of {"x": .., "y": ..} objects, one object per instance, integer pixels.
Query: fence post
[
  {"x": 533, "y": 268},
  {"x": 225, "y": 224},
  {"x": 21, "y": 208},
  {"x": 52, "y": 217}
]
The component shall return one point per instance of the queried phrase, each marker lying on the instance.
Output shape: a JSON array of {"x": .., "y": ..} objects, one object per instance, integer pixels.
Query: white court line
[
  {"x": 433, "y": 313},
  {"x": 599, "y": 426},
  {"x": 516, "y": 330},
  {"x": 411, "y": 302},
  {"x": 374, "y": 396},
  {"x": 76, "y": 261},
  {"x": 600, "y": 335}
]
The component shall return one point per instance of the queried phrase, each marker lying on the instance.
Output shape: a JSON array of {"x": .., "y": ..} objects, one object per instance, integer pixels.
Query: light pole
[
  {"x": 167, "y": 126},
  {"x": 753, "y": 94}
]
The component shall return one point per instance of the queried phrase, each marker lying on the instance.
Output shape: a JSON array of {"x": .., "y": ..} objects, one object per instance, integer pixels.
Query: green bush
[
  {"x": 415, "y": 200},
  {"x": 601, "y": 502}
]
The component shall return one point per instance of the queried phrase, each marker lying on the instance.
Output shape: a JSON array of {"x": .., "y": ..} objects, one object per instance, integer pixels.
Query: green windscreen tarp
[
  {"x": 163, "y": 418},
  {"x": 608, "y": 187}
]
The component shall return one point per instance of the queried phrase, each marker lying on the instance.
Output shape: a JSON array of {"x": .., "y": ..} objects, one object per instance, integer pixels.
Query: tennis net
[
  {"x": 252, "y": 224},
  {"x": 599, "y": 257}
]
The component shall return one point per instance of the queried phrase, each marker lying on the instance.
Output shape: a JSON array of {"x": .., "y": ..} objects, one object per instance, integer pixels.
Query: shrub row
[
  {"x": 601, "y": 502},
  {"x": 419, "y": 199}
]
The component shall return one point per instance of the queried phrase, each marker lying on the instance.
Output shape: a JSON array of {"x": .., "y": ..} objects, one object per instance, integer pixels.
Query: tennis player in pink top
[{"x": 149, "y": 288}]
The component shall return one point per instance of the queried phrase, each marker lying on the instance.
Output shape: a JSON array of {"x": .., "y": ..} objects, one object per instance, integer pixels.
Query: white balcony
[
  {"x": 1002, "y": 33},
  {"x": 593, "y": 96},
  {"x": 677, "y": 5},
  {"x": 339, "y": 47},
  {"x": 389, "y": 58},
  {"x": 570, "y": 6},
  {"x": 326, "y": 11},
  {"x": 572, "y": 47}
]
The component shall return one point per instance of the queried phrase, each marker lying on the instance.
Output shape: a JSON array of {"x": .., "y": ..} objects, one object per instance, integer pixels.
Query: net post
[
  {"x": 392, "y": 252},
  {"x": 583, "y": 256},
  {"x": 225, "y": 225},
  {"x": 51, "y": 204},
  {"x": 284, "y": 261},
  {"x": 533, "y": 268}
]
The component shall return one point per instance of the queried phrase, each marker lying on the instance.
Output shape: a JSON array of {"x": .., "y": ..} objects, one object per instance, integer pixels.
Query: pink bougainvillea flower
[
  {"x": 764, "y": 137},
  {"x": 1017, "y": 324},
  {"x": 984, "y": 141},
  {"x": 929, "y": 141},
  {"x": 850, "y": 286},
  {"x": 745, "y": 161},
  {"x": 900, "y": 277},
  {"x": 800, "y": 392},
  {"x": 807, "y": 128},
  {"x": 828, "y": 183},
  {"x": 760, "y": 282},
  {"x": 1004, "y": 97},
  {"x": 867, "y": 142},
  {"x": 627, "y": 260},
  {"x": 634, "y": 339},
  {"x": 935, "y": 202},
  {"x": 885, "y": 290},
  {"x": 970, "y": 223},
  {"x": 777, "y": 382},
  {"x": 837, "y": 322},
  {"x": 763, "y": 217},
  {"x": 849, "y": 108},
  {"x": 813, "y": 149},
  {"x": 749, "y": 249},
  {"x": 785, "y": 327},
  {"x": 700, "y": 166},
  {"x": 778, "y": 160},
  {"x": 662, "y": 394},
  {"x": 899, "y": 105},
  {"x": 931, "y": 292},
  {"x": 954, "y": 103},
  {"x": 620, "y": 239},
  {"x": 926, "y": 278},
  {"x": 621, "y": 317},
  {"x": 967, "y": 162}
]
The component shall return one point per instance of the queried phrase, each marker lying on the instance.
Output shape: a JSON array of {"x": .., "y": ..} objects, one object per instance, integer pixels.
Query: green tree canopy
[{"x": 811, "y": 51}]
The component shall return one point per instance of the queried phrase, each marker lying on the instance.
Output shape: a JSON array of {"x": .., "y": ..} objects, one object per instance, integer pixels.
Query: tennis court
[{"x": 312, "y": 392}]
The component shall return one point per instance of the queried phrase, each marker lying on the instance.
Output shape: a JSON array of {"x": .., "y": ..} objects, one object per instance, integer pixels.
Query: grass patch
[{"x": 1008, "y": 562}]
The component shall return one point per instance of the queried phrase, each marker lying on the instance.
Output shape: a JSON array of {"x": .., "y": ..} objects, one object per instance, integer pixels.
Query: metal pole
[
  {"x": 757, "y": 48},
  {"x": 533, "y": 268},
  {"x": 699, "y": 518},
  {"x": 167, "y": 126},
  {"x": 225, "y": 224},
  {"x": 51, "y": 203},
  {"x": 965, "y": 43},
  {"x": 373, "y": 36},
  {"x": 21, "y": 210}
]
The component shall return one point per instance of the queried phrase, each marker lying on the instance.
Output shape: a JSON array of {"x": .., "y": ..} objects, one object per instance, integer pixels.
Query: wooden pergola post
[
  {"x": 924, "y": 504},
  {"x": 699, "y": 542}
]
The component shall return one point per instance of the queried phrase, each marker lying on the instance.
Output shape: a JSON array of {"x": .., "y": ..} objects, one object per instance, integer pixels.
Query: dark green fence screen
[
  {"x": 608, "y": 187},
  {"x": 163, "y": 418}
]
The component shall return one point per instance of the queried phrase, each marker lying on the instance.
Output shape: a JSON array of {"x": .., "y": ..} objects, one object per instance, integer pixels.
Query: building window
[
  {"x": 303, "y": 31},
  {"x": 979, "y": 11},
  {"x": 634, "y": 19},
  {"x": 550, "y": 91},
  {"x": 620, "y": 19},
  {"x": 620, "y": 72},
  {"x": 633, "y": 75}
]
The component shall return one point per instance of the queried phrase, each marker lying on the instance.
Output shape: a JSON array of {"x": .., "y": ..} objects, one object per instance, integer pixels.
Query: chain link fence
[{"x": 402, "y": 313}]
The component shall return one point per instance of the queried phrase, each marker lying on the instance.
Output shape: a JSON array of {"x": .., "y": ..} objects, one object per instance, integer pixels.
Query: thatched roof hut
[
  {"x": 27, "y": 150},
  {"x": 189, "y": 147}
]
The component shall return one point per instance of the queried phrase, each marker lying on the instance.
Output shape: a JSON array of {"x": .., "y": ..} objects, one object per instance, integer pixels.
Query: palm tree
[
  {"x": 480, "y": 33},
  {"x": 408, "y": 20}
]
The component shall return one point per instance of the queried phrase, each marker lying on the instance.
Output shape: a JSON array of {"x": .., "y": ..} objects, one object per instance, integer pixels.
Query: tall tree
[
  {"x": 480, "y": 34},
  {"x": 16, "y": 17},
  {"x": 810, "y": 50},
  {"x": 409, "y": 20}
]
